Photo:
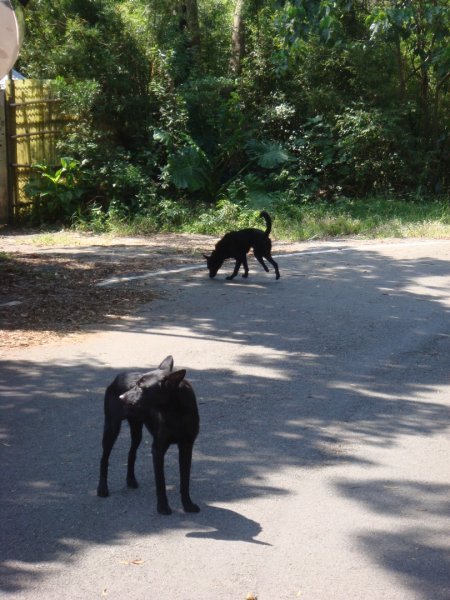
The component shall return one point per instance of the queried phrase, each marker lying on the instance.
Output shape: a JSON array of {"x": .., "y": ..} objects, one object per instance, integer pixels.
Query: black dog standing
[
  {"x": 237, "y": 244},
  {"x": 165, "y": 403}
]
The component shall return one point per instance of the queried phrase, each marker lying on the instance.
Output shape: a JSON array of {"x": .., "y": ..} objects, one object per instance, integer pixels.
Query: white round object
[{"x": 10, "y": 38}]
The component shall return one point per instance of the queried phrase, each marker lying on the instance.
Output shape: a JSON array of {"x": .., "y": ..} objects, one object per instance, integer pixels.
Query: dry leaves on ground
[{"x": 43, "y": 297}]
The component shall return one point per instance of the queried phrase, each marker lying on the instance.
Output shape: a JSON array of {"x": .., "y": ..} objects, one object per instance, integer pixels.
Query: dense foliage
[{"x": 184, "y": 104}]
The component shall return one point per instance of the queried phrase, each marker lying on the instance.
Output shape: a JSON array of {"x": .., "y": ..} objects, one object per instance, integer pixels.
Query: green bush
[
  {"x": 56, "y": 195},
  {"x": 371, "y": 151}
]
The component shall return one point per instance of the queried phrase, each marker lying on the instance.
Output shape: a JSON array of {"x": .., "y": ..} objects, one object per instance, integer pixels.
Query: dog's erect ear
[
  {"x": 167, "y": 364},
  {"x": 173, "y": 380}
]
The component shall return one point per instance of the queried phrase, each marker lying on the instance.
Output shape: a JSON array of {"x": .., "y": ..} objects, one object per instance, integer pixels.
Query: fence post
[{"x": 4, "y": 187}]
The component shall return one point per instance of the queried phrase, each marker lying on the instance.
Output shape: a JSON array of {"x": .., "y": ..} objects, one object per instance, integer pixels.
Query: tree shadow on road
[
  {"x": 413, "y": 549},
  {"x": 322, "y": 381}
]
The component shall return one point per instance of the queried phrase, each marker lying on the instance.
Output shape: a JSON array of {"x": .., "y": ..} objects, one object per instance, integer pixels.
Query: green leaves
[
  {"x": 268, "y": 155},
  {"x": 310, "y": 112},
  {"x": 305, "y": 18},
  {"x": 189, "y": 169},
  {"x": 56, "y": 194}
]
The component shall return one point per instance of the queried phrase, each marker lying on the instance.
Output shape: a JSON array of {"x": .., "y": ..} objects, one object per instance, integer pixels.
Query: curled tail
[{"x": 265, "y": 215}]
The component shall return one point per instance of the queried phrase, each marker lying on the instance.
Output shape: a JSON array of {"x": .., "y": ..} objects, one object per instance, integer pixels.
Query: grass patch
[
  {"x": 367, "y": 218},
  {"x": 56, "y": 238}
]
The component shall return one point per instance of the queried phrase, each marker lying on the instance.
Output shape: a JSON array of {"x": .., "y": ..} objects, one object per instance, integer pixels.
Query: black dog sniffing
[
  {"x": 165, "y": 403},
  {"x": 237, "y": 244}
]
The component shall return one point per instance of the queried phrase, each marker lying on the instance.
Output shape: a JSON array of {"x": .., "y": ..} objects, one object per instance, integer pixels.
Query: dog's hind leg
[
  {"x": 110, "y": 434},
  {"x": 268, "y": 257},
  {"x": 260, "y": 259},
  {"x": 275, "y": 266},
  {"x": 136, "y": 437},
  {"x": 185, "y": 460}
]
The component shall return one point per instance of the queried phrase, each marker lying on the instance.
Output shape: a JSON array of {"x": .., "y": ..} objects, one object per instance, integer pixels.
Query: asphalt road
[{"x": 322, "y": 466}]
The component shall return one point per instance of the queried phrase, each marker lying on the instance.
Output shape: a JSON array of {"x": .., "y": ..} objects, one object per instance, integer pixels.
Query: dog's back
[{"x": 234, "y": 243}]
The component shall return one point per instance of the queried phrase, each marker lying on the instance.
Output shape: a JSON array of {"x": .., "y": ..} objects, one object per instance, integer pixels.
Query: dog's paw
[
  {"x": 245, "y": 275},
  {"x": 230, "y": 277},
  {"x": 102, "y": 491},
  {"x": 132, "y": 482},
  {"x": 190, "y": 507},
  {"x": 164, "y": 509}
]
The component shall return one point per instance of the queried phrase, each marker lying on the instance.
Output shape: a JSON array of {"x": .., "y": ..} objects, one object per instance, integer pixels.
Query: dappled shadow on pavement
[
  {"x": 323, "y": 381},
  {"x": 416, "y": 548}
]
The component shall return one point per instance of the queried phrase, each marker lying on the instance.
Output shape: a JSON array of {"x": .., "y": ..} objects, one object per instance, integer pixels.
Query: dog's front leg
[
  {"x": 237, "y": 266},
  {"x": 244, "y": 262},
  {"x": 158, "y": 465},
  {"x": 136, "y": 437},
  {"x": 185, "y": 460}
]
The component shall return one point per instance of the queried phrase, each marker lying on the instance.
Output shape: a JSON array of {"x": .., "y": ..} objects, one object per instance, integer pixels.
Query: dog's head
[
  {"x": 155, "y": 387},
  {"x": 213, "y": 264}
]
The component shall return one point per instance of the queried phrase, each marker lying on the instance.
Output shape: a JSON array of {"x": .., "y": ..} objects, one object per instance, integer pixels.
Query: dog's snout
[{"x": 131, "y": 397}]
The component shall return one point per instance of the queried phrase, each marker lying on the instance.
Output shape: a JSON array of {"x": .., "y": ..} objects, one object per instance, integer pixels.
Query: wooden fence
[{"x": 31, "y": 128}]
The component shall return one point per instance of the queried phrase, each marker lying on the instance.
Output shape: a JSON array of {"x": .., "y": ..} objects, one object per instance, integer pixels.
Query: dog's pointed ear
[
  {"x": 167, "y": 364},
  {"x": 173, "y": 380}
]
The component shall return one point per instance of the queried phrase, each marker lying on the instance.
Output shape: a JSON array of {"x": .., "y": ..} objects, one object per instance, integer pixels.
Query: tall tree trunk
[
  {"x": 422, "y": 52},
  {"x": 189, "y": 10},
  {"x": 400, "y": 68},
  {"x": 237, "y": 38}
]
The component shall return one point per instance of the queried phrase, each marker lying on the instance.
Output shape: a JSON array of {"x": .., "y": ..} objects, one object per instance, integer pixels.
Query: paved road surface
[{"x": 322, "y": 466}]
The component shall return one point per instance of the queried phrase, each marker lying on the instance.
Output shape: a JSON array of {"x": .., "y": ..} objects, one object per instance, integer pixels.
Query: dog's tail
[{"x": 265, "y": 215}]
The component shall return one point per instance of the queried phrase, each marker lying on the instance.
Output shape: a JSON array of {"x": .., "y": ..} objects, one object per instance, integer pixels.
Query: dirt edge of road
[
  {"x": 48, "y": 289},
  {"x": 48, "y": 286}
]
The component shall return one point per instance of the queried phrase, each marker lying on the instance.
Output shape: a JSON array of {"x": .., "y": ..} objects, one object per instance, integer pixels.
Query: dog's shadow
[{"x": 227, "y": 525}]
